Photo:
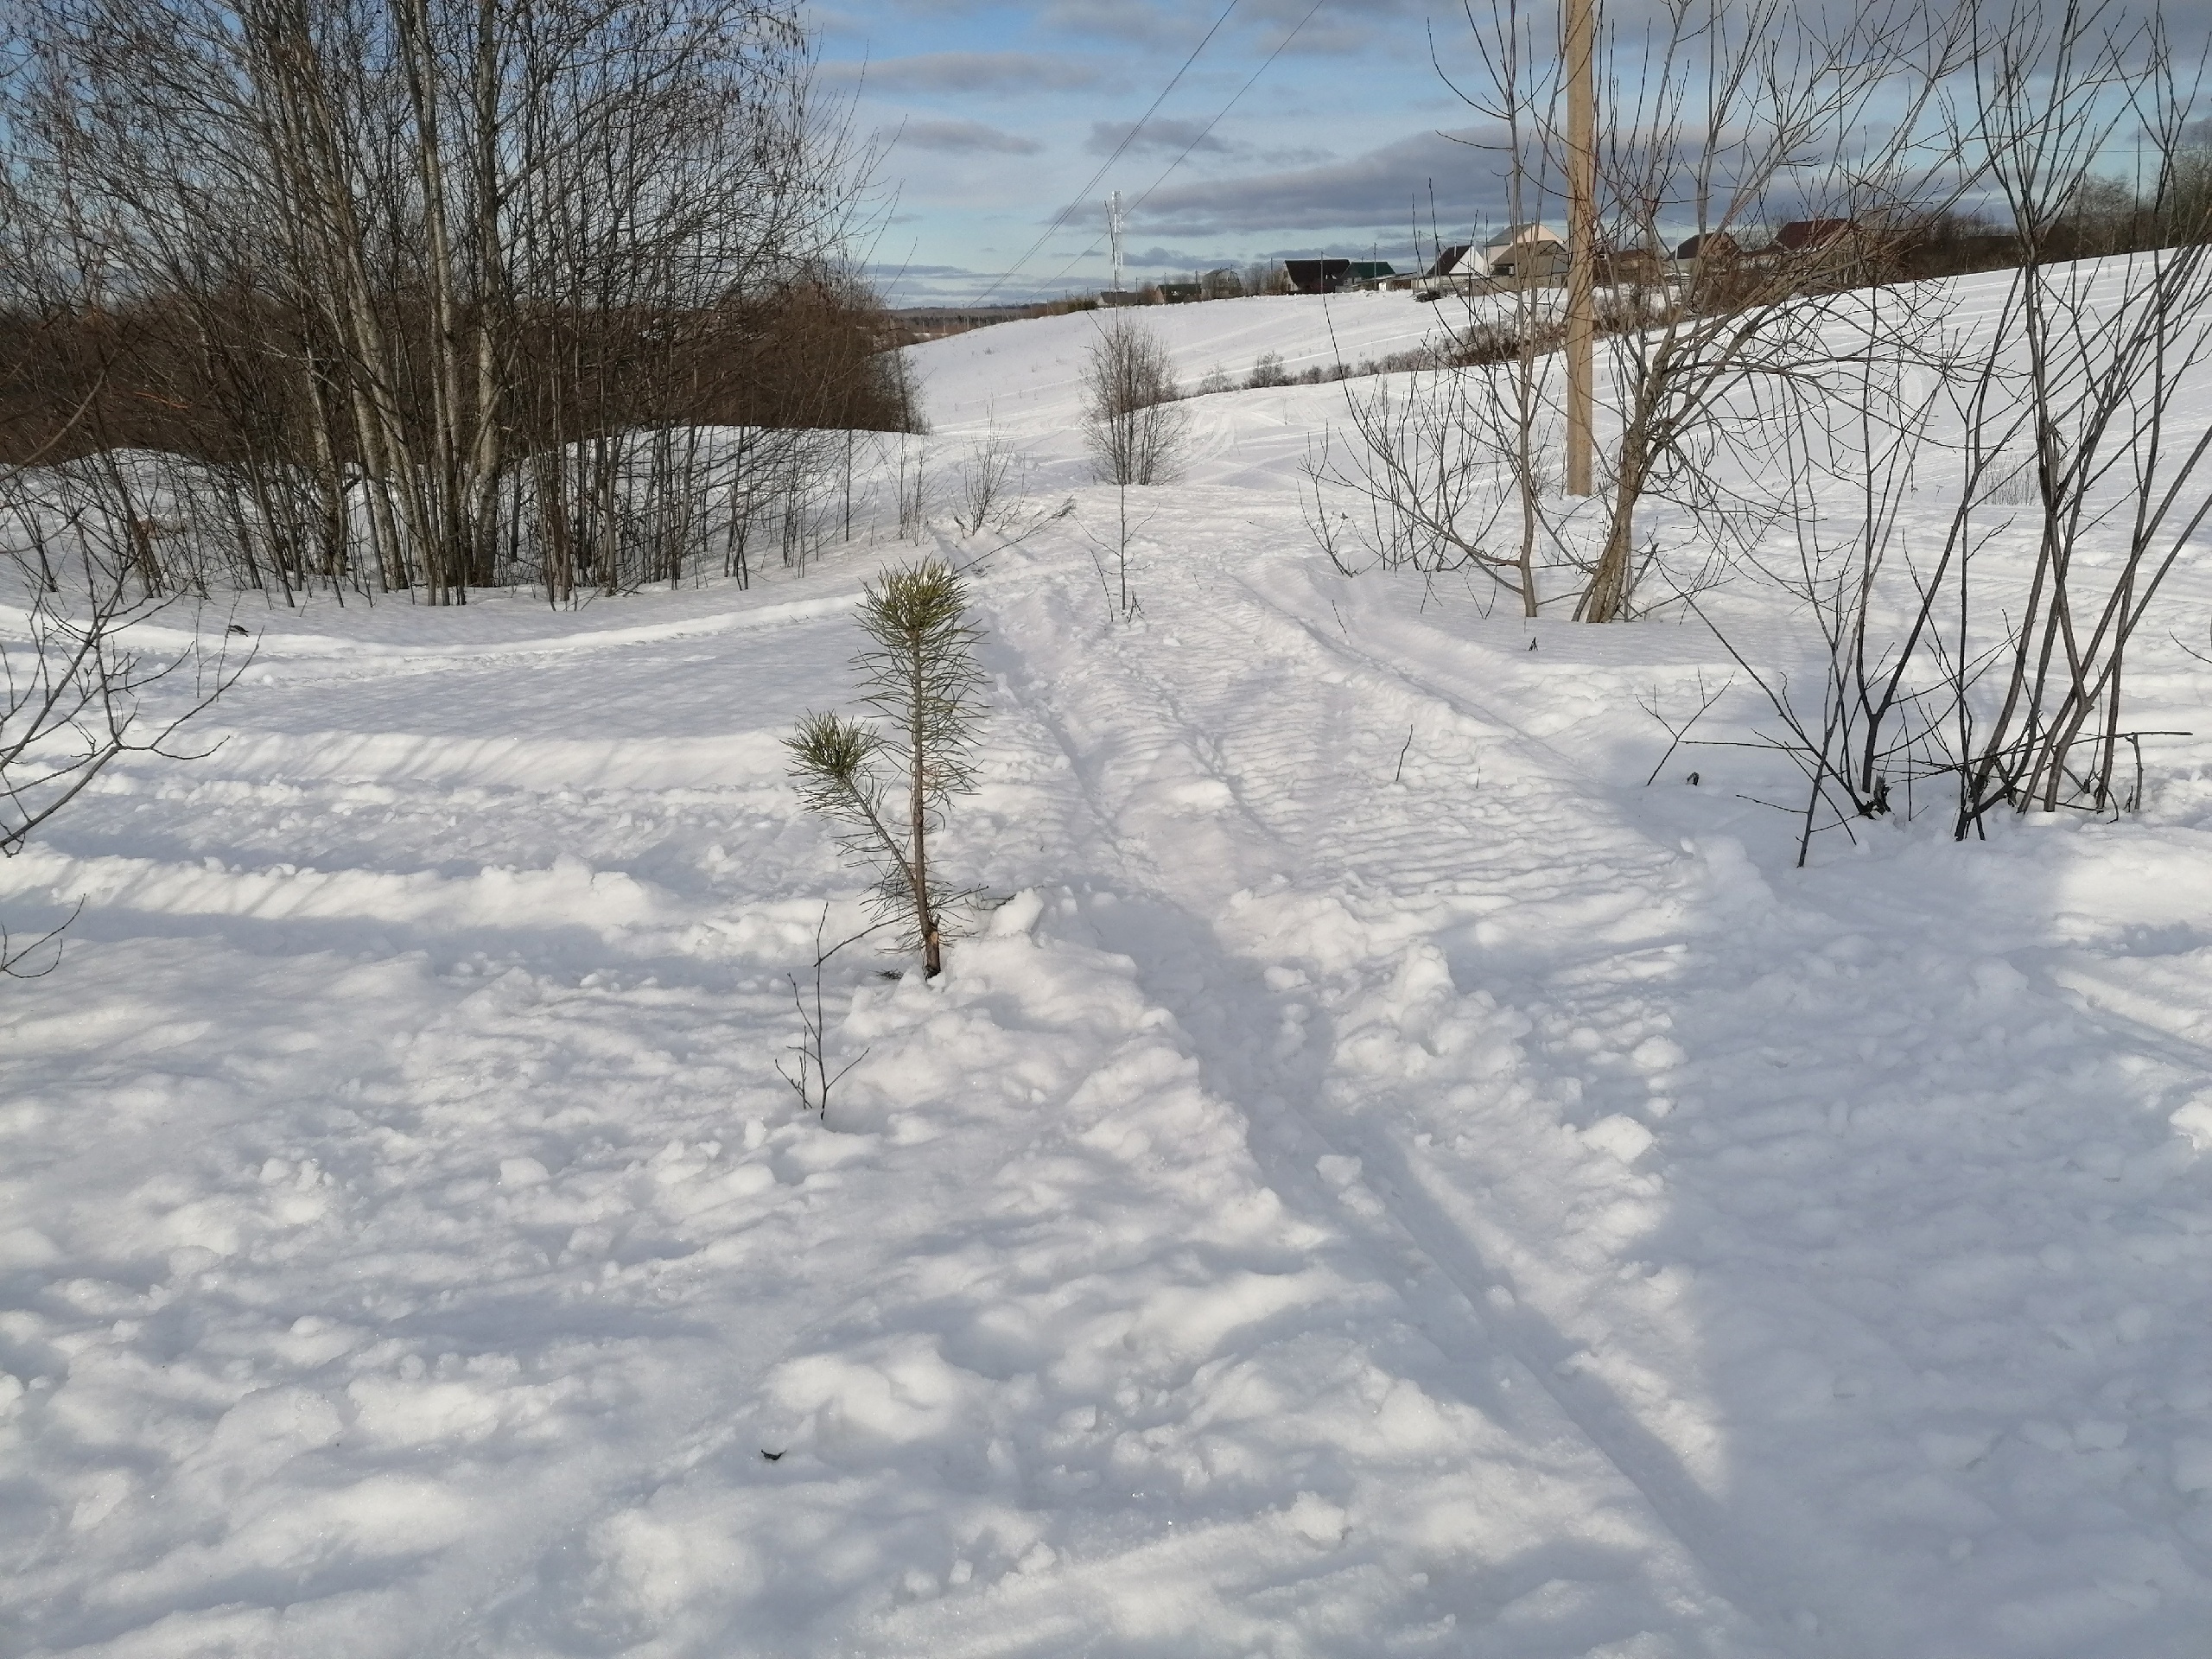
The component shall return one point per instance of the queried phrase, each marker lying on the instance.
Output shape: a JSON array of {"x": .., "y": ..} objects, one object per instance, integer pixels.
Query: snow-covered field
[{"x": 1385, "y": 1182}]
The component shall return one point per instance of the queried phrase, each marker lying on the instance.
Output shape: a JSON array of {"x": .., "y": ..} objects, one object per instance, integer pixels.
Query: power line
[
  {"x": 1232, "y": 105},
  {"x": 1187, "y": 148},
  {"x": 1128, "y": 139}
]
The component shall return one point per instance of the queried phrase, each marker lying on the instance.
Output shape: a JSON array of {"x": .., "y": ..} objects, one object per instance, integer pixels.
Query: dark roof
[
  {"x": 1802, "y": 233},
  {"x": 1315, "y": 275},
  {"x": 1446, "y": 259},
  {"x": 1711, "y": 242}
]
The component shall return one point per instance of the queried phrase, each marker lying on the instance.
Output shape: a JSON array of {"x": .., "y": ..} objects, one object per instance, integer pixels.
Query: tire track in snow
[{"x": 1252, "y": 748}]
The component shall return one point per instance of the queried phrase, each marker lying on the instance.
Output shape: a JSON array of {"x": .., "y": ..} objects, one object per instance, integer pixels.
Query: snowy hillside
[
  {"x": 1031, "y": 371},
  {"x": 1386, "y": 1181}
]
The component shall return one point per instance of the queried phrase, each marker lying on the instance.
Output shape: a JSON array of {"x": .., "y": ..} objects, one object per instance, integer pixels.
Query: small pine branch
[
  {"x": 922, "y": 681},
  {"x": 832, "y": 763}
]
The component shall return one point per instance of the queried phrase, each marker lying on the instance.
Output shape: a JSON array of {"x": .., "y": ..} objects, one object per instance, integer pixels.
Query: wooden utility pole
[{"x": 1580, "y": 24}]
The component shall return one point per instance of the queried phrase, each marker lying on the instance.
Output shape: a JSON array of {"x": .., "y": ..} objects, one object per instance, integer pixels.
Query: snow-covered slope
[
  {"x": 1385, "y": 1182},
  {"x": 1029, "y": 374}
]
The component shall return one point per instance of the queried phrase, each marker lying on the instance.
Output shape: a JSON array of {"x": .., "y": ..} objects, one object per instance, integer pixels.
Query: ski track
[
  {"x": 1259, "y": 744},
  {"x": 1292, "y": 740},
  {"x": 1384, "y": 1184}
]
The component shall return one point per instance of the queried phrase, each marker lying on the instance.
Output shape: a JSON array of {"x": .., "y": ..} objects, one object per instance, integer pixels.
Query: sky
[
  {"x": 1301, "y": 127},
  {"x": 992, "y": 118}
]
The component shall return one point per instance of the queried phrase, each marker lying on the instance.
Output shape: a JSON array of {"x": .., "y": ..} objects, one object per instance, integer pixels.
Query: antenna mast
[{"x": 1113, "y": 231}]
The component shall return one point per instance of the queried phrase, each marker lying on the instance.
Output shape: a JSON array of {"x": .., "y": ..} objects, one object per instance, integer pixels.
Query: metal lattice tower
[{"x": 1113, "y": 222}]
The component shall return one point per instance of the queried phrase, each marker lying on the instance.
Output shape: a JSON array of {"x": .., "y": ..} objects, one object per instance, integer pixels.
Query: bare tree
[
  {"x": 1130, "y": 419},
  {"x": 83, "y": 560},
  {"x": 2053, "y": 419},
  {"x": 1730, "y": 117},
  {"x": 443, "y": 292},
  {"x": 1725, "y": 115}
]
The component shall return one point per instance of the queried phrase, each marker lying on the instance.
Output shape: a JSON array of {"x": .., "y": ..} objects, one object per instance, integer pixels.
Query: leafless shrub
[
  {"x": 1131, "y": 420},
  {"x": 1428, "y": 477},
  {"x": 2054, "y": 422},
  {"x": 985, "y": 483},
  {"x": 82, "y": 682},
  {"x": 915, "y": 499},
  {"x": 2104, "y": 350},
  {"x": 810, "y": 1075}
]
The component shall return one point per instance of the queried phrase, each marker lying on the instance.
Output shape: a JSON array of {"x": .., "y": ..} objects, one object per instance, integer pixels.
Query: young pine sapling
[{"x": 889, "y": 784}]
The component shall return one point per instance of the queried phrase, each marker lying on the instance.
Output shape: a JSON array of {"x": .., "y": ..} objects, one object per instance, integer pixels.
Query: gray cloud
[
  {"x": 1380, "y": 190},
  {"x": 1161, "y": 259},
  {"x": 1165, "y": 134},
  {"x": 959, "y": 285},
  {"x": 1257, "y": 23},
  {"x": 967, "y": 72},
  {"x": 965, "y": 137},
  {"x": 1120, "y": 20}
]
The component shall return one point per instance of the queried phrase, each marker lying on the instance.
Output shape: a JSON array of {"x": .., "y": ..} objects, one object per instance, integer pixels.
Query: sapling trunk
[{"x": 924, "y": 685}]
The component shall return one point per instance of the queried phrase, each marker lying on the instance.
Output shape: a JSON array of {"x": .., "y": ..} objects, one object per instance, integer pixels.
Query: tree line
[{"x": 429, "y": 294}]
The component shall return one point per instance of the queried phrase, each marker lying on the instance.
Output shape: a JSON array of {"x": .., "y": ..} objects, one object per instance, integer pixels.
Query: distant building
[
  {"x": 1527, "y": 252},
  {"x": 1315, "y": 275},
  {"x": 1532, "y": 253},
  {"x": 1447, "y": 260},
  {"x": 1711, "y": 244},
  {"x": 1333, "y": 275},
  {"x": 1801, "y": 235}
]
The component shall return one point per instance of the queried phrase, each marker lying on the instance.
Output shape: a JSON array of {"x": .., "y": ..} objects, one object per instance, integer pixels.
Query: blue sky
[
  {"x": 991, "y": 118},
  {"x": 994, "y": 117}
]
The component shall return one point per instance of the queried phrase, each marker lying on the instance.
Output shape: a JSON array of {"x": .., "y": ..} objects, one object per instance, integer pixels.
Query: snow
[
  {"x": 1029, "y": 374},
  {"x": 1355, "y": 1196}
]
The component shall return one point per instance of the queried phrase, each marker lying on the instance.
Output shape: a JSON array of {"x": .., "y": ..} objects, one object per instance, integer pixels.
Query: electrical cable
[
  {"x": 1129, "y": 138},
  {"x": 1187, "y": 148}
]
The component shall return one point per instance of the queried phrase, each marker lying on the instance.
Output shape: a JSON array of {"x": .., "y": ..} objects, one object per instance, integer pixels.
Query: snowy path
[
  {"x": 1423, "y": 933},
  {"x": 1294, "y": 930},
  {"x": 1386, "y": 1183}
]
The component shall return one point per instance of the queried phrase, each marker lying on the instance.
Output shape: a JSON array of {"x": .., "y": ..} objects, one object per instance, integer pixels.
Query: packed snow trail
[
  {"x": 1384, "y": 1181},
  {"x": 1315, "y": 935},
  {"x": 1412, "y": 935},
  {"x": 1262, "y": 940}
]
